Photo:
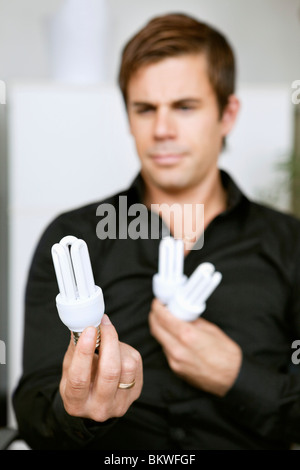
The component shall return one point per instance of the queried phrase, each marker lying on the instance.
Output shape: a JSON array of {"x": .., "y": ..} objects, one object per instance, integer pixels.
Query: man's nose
[{"x": 164, "y": 125}]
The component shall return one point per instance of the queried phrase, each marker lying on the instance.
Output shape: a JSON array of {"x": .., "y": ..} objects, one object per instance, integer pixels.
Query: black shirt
[{"x": 257, "y": 304}]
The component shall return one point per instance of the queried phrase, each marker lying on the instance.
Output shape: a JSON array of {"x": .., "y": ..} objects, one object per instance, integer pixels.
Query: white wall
[
  {"x": 261, "y": 144},
  {"x": 265, "y": 34}
]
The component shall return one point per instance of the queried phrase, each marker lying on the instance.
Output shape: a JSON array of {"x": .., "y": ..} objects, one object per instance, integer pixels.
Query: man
[{"x": 220, "y": 382}]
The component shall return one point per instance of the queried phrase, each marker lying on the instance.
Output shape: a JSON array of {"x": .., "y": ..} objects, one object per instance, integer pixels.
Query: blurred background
[{"x": 64, "y": 138}]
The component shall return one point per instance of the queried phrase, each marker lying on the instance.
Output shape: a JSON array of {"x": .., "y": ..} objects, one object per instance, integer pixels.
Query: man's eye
[
  {"x": 185, "y": 108},
  {"x": 144, "y": 110}
]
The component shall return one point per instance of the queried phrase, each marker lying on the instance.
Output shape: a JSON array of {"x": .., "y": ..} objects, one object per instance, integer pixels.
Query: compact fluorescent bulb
[
  {"x": 80, "y": 302},
  {"x": 170, "y": 269},
  {"x": 190, "y": 300}
]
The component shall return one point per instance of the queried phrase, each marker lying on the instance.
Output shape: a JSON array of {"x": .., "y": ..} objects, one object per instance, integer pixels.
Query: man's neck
[{"x": 209, "y": 192}]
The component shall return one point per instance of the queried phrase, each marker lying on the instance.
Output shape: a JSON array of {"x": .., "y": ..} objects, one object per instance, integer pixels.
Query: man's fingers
[
  {"x": 90, "y": 382},
  {"x": 175, "y": 336},
  {"x": 160, "y": 314},
  {"x": 164, "y": 317},
  {"x": 78, "y": 379},
  {"x": 109, "y": 366},
  {"x": 161, "y": 334},
  {"x": 130, "y": 365},
  {"x": 164, "y": 326},
  {"x": 69, "y": 354}
]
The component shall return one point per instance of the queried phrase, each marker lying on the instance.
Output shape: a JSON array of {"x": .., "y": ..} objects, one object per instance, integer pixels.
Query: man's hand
[
  {"x": 199, "y": 352},
  {"x": 89, "y": 384}
]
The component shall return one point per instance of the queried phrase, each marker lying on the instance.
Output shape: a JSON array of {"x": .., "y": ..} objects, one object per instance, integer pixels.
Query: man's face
[{"x": 175, "y": 121}]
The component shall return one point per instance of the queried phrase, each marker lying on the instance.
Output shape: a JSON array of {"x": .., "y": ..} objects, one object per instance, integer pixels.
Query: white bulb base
[
  {"x": 76, "y": 336},
  {"x": 80, "y": 313},
  {"x": 164, "y": 289},
  {"x": 184, "y": 310}
]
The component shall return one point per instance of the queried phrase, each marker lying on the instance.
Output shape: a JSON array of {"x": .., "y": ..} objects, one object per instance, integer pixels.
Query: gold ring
[{"x": 126, "y": 386}]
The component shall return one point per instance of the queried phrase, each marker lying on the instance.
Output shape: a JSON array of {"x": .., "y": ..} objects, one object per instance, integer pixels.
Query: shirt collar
[{"x": 234, "y": 194}]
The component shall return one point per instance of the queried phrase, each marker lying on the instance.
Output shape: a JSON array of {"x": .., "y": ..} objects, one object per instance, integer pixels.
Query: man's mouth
[{"x": 167, "y": 158}]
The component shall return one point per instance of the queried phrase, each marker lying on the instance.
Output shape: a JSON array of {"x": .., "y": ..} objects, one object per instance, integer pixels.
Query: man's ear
[{"x": 230, "y": 114}]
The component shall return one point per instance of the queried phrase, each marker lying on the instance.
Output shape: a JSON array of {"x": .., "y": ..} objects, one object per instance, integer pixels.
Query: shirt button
[{"x": 178, "y": 434}]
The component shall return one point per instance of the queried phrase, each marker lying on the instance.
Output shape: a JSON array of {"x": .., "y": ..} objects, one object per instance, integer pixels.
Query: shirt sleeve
[{"x": 263, "y": 399}]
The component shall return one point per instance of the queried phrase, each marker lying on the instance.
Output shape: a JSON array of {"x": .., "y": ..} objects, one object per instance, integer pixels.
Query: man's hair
[{"x": 175, "y": 35}]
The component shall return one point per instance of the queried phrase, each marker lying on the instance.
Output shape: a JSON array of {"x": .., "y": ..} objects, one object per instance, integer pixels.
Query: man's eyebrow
[
  {"x": 186, "y": 100},
  {"x": 189, "y": 99},
  {"x": 136, "y": 104}
]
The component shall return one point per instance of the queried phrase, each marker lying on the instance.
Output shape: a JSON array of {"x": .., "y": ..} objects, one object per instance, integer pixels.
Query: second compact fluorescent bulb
[{"x": 184, "y": 297}]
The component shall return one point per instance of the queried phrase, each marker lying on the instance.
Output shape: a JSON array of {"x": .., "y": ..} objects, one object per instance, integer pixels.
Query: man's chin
[
  {"x": 170, "y": 185},
  {"x": 170, "y": 180}
]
